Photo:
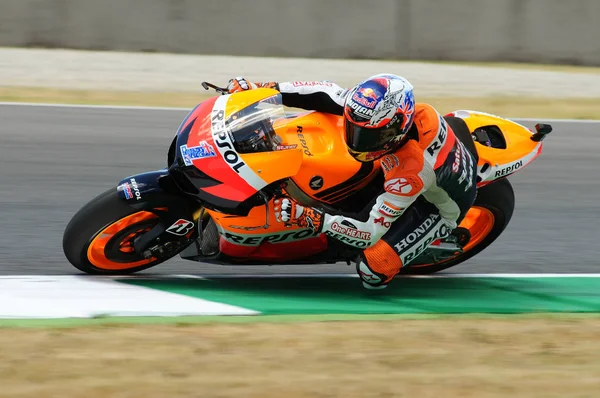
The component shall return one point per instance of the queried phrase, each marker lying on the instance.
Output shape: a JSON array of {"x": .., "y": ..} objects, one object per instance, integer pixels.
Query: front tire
[
  {"x": 486, "y": 220},
  {"x": 99, "y": 238}
]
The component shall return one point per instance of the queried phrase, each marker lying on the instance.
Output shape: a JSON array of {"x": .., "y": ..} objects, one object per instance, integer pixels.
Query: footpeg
[{"x": 459, "y": 236}]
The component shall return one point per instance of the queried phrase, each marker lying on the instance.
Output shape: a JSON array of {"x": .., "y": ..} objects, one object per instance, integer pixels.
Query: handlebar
[{"x": 220, "y": 90}]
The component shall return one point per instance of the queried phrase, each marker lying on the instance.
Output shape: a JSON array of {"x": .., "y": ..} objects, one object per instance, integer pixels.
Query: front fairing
[{"x": 205, "y": 161}]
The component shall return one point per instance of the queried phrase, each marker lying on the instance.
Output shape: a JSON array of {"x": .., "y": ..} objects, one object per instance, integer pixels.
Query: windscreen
[{"x": 252, "y": 127}]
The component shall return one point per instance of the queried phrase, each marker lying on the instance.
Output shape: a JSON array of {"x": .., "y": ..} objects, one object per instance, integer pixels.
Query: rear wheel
[
  {"x": 486, "y": 220},
  {"x": 99, "y": 238}
]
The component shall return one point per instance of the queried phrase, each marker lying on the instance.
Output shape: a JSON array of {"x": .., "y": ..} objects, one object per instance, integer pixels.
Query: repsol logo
[
  {"x": 347, "y": 240},
  {"x": 509, "y": 169},
  {"x": 255, "y": 240},
  {"x": 416, "y": 234},
  {"x": 303, "y": 141},
  {"x": 441, "y": 232},
  {"x": 136, "y": 190},
  {"x": 223, "y": 141},
  {"x": 436, "y": 145}
]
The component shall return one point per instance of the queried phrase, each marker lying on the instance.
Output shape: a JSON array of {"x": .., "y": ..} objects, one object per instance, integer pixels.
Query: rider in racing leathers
[{"x": 420, "y": 155}]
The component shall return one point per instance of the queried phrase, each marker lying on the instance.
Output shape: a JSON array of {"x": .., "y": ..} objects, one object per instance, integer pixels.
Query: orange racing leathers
[{"x": 430, "y": 183}]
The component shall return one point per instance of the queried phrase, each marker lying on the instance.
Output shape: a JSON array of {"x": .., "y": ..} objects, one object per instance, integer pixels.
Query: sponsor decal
[
  {"x": 387, "y": 209},
  {"x": 316, "y": 183},
  {"x": 436, "y": 145},
  {"x": 509, "y": 169},
  {"x": 347, "y": 240},
  {"x": 457, "y": 159},
  {"x": 440, "y": 232},
  {"x": 375, "y": 155},
  {"x": 416, "y": 234},
  {"x": 255, "y": 240},
  {"x": 285, "y": 147},
  {"x": 303, "y": 141},
  {"x": 382, "y": 221},
  {"x": 398, "y": 186},
  {"x": 366, "y": 274},
  {"x": 136, "y": 190},
  {"x": 467, "y": 169},
  {"x": 361, "y": 110},
  {"x": 180, "y": 227},
  {"x": 366, "y": 97},
  {"x": 127, "y": 190},
  {"x": 223, "y": 141},
  {"x": 189, "y": 154},
  {"x": 309, "y": 219},
  {"x": 350, "y": 231},
  {"x": 389, "y": 162},
  {"x": 311, "y": 84},
  {"x": 245, "y": 228}
]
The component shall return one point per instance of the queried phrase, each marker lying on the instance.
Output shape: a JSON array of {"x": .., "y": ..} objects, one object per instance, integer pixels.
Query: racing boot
[
  {"x": 461, "y": 236},
  {"x": 378, "y": 265}
]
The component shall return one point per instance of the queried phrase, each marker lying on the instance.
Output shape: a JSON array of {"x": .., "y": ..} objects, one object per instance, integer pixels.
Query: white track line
[
  {"x": 515, "y": 276},
  {"x": 447, "y": 276},
  {"x": 159, "y": 108},
  {"x": 349, "y": 275},
  {"x": 298, "y": 276}
]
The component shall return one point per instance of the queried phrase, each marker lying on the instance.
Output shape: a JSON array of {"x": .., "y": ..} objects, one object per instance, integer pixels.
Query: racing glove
[
  {"x": 241, "y": 84},
  {"x": 288, "y": 211}
]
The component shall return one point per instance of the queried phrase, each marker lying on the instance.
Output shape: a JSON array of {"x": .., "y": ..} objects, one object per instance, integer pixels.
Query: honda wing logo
[{"x": 316, "y": 182}]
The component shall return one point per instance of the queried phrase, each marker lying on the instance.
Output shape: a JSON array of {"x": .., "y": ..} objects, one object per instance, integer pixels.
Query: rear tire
[
  {"x": 499, "y": 199},
  {"x": 96, "y": 217}
]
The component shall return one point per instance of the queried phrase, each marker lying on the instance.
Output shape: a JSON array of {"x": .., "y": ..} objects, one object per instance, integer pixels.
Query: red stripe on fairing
[
  {"x": 202, "y": 108},
  {"x": 285, "y": 251},
  {"x": 539, "y": 151},
  {"x": 443, "y": 154},
  {"x": 238, "y": 192},
  {"x": 233, "y": 186}
]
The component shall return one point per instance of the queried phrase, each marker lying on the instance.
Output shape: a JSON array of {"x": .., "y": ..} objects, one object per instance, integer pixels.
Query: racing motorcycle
[{"x": 233, "y": 155}]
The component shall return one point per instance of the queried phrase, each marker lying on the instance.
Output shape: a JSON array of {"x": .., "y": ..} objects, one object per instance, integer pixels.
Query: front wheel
[
  {"x": 99, "y": 238},
  {"x": 486, "y": 220}
]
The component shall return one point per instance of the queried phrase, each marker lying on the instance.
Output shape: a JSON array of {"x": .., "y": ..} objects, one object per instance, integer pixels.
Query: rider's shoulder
[
  {"x": 426, "y": 117},
  {"x": 408, "y": 159},
  {"x": 427, "y": 122}
]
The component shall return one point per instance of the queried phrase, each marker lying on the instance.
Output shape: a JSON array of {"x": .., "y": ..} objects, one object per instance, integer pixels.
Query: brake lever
[{"x": 220, "y": 90}]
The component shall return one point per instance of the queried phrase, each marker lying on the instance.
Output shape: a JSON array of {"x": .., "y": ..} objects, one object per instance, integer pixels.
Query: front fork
[{"x": 156, "y": 192}]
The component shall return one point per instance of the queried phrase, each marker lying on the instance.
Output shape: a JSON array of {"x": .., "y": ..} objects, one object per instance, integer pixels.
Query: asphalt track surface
[{"x": 55, "y": 159}]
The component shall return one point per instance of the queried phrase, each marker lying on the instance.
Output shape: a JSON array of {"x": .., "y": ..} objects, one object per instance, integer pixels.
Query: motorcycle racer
[{"x": 430, "y": 175}]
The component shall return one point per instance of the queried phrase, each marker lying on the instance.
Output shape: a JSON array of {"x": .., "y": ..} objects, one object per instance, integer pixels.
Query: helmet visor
[{"x": 363, "y": 139}]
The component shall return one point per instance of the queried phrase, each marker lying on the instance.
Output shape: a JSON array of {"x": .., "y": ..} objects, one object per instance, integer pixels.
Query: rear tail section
[{"x": 504, "y": 146}]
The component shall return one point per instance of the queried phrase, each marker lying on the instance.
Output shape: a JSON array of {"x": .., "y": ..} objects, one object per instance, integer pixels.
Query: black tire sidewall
[{"x": 85, "y": 225}]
